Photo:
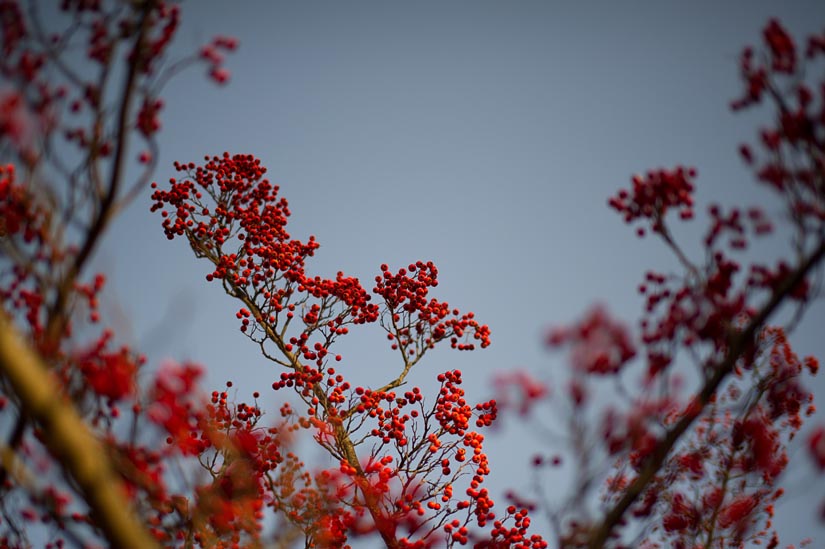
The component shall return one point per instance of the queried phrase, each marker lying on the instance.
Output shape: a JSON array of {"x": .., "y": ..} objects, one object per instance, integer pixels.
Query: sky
[{"x": 484, "y": 136}]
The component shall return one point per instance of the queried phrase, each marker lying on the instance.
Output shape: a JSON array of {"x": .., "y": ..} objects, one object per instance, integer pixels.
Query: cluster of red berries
[
  {"x": 599, "y": 344},
  {"x": 654, "y": 194},
  {"x": 419, "y": 322}
]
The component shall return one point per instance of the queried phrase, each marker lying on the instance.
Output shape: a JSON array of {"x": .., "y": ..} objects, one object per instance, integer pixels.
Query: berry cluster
[
  {"x": 234, "y": 217},
  {"x": 654, "y": 194},
  {"x": 416, "y": 324},
  {"x": 599, "y": 344}
]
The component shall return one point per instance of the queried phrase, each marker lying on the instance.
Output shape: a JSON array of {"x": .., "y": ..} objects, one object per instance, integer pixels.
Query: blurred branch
[
  {"x": 738, "y": 346},
  {"x": 69, "y": 439},
  {"x": 106, "y": 209}
]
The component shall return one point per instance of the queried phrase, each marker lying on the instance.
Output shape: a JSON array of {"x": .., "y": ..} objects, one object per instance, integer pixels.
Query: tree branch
[
  {"x": 68, "y": 438},
  {"x": 57, "y": 318},
  {"x": 738, "y": 345}
]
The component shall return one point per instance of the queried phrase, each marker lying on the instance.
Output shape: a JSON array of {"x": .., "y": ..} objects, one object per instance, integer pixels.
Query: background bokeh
[{"x": 484, "y": 136}]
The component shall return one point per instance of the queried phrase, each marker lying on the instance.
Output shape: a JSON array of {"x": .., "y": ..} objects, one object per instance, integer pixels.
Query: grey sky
[{"x": 484, "y": 136}]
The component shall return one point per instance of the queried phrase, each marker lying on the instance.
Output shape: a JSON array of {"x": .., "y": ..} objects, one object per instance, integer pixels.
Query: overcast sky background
[{"x": 484, "y": 136}]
